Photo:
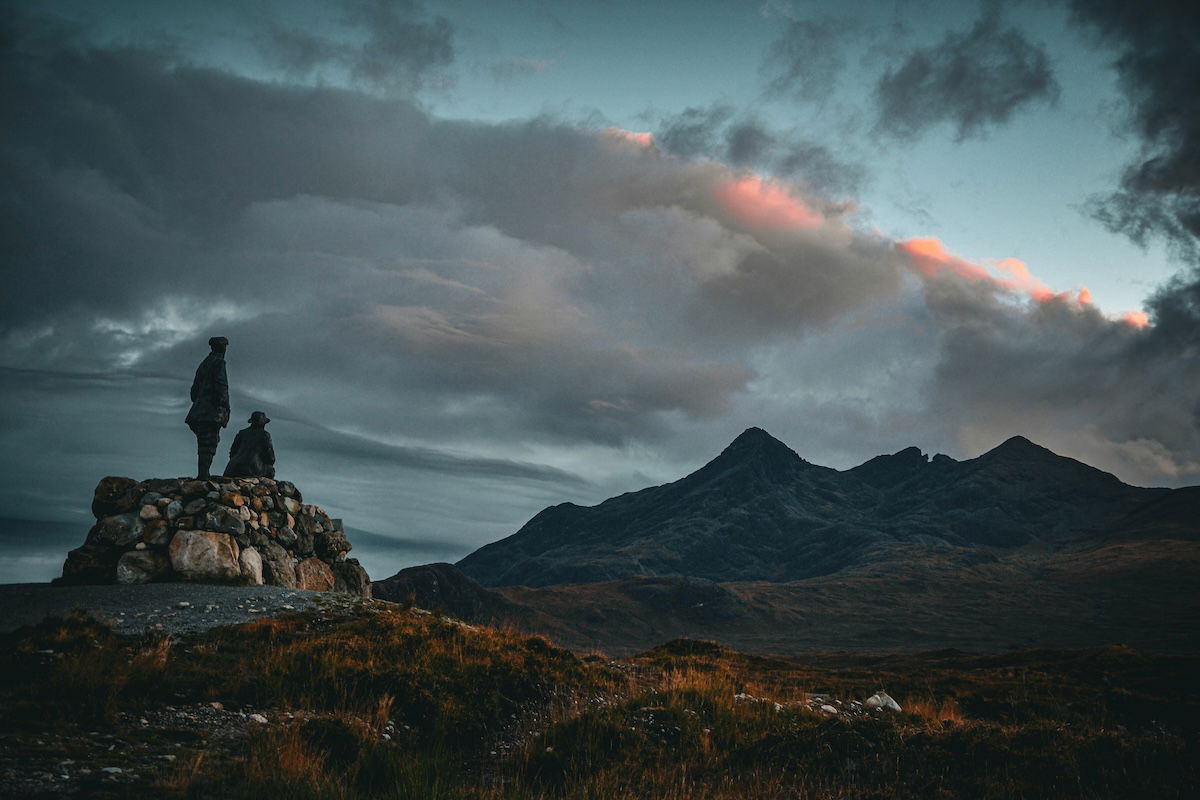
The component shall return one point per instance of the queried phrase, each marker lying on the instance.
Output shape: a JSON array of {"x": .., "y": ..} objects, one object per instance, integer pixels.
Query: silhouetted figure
[
  {"x": 210, "y": 403},
  {"x": 252, "y": 455}
]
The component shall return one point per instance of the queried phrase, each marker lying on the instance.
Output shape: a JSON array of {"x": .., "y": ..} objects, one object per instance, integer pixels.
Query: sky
[{"x": 477, "y": 258}]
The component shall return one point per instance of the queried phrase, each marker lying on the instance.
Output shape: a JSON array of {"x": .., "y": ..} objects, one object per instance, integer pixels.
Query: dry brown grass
[
  {"x": 665, "y": 724},
  {"x": 945, "y": 712}
]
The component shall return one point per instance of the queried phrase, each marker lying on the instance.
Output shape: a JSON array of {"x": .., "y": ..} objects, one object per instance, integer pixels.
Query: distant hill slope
[{"x": 759, "y": 512}]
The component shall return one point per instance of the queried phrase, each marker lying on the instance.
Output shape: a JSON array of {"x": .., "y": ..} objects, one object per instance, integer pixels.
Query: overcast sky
[{"x": 476, "y": 258}]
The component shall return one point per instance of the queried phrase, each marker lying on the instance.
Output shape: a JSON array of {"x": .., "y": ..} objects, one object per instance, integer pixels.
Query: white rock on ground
[{"x": 882, "y": 700}]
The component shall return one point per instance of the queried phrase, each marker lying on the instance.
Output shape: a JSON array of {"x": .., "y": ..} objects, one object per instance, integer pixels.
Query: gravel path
[{"x": 174, "y": 608}]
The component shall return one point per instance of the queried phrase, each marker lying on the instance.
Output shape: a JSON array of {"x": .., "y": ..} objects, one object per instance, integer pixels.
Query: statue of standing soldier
[{"x": 210, "y": 404}]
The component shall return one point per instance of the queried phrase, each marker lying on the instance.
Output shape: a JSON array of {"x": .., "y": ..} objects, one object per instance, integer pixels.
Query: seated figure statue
[{"x": 252, "y": 455}]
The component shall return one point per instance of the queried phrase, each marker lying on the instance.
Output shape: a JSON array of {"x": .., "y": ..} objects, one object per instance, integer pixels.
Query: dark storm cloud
[
  {"x": 745, "y": 141},
  {"x": 1116, "y": 393},
  {"x": 1157, "y": 61},
  {"x": 693, "y": 131},
  {"x": 804, "y": 62},
  {"x": 748, "y": 142},
  {"x": 533, "y": 272},
  {"x": 1107, "y": 393},
  {"x": 391, "y": 43},
  {"x": 973, "y": 80},
  {"x": 1157, "y": 48}
]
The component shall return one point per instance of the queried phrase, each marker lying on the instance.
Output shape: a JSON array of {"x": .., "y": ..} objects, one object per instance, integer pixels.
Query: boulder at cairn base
[
  {"x": 218, "y": 530},
  {"x": 205, "y": 557},
  {"x": 314, "y": 574},
  {"x": 142, "y": 566},
  {"x": 251, "y": 564}
]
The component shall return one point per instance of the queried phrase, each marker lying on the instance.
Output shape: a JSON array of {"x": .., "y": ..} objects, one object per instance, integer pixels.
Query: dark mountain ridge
[{"x": 760, "y": 512}]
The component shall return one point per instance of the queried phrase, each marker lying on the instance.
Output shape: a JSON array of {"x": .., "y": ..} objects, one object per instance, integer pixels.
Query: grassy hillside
[{"x": 399, "y": 703}]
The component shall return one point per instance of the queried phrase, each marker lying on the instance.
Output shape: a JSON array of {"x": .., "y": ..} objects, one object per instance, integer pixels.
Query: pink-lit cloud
[
  {"x": 640, "y": 138},
  {"x": 1138, "y": 319},
  {"x": 764, "y": 204},
  {"x": 930, "y": 259}
]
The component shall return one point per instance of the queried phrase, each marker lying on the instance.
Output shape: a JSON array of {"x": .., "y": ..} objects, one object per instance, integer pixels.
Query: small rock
[
  {"x": 217, "y": 705},
  {"x": 828, "y": 709},
  {"x": 183, "y": 604},
  {"x": 112, "y": 770},
  {"x": 149, "y": 512},
  {"x": 258, "y": 718}
]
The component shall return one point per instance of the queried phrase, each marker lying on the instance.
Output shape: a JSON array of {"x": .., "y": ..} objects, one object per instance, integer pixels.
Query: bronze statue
[
  {"x": 210, "y": 403},
  {"x": 252, "y": 455}
]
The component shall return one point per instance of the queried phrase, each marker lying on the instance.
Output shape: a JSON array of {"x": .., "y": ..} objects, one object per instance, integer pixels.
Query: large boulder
[
  {"x": 314, "y": 574},
  {"x": 252, "y": 565},
  {"x": 116, "y": 495},
  {"x": 119, "y": 530},
  {"x": 279, "y": 566},
  {"x": 142, "y": 566},
  {"x": 91, "y": 563},
  {"x": 351, "y": 578},
  {"x": 205, "y": 556}
]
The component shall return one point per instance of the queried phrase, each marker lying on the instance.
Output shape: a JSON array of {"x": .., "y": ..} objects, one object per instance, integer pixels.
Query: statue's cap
[
  {"x": 258, "y": 418},
  {"x": 218, "y": 341}
]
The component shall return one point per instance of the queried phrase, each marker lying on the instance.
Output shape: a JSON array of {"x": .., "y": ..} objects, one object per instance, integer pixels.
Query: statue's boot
[{"x": 205, "y": 461}]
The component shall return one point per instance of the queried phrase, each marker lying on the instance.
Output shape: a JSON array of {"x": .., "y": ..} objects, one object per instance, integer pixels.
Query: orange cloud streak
[
  {"x": 1138, "y": 319},
  {"x": 641, "y": 139},
  {"x": 764, "y": 204},
  {"x": 930, "y": 258}
]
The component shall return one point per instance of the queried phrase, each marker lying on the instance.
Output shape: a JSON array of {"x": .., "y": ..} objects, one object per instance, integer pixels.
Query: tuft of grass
[{"x": 945, "y": 712}]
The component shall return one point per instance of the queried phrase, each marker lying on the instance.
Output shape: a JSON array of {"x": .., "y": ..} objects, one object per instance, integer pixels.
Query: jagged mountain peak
[
  {"x": 889, "y": 469},
  {"x": 757, "y": 438},
  {"x": 1019, "y": 448},
  {"x": 755, "y": 447}
]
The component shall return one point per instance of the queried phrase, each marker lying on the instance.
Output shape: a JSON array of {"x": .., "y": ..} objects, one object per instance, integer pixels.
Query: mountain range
[
  {"x": 1017, "y": 547},
  {"x": 758, "y": 511}
]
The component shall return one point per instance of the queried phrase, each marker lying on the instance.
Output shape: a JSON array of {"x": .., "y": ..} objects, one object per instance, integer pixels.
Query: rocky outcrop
[{"x": 219, "y": 530}]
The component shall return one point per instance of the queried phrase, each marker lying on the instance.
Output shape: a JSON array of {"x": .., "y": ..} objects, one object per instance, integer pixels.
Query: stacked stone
[{"x": 219, "y": 530}]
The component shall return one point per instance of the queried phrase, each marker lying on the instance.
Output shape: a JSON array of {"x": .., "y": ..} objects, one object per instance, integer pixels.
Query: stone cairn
[{"x": 218, "y": 530}]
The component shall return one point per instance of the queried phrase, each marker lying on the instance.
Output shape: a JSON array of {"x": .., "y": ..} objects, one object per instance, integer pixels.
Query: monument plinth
[{"x": 215, "y": 530}]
